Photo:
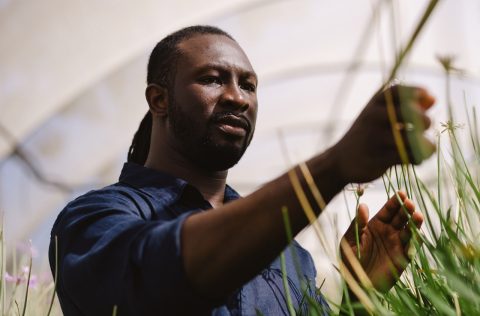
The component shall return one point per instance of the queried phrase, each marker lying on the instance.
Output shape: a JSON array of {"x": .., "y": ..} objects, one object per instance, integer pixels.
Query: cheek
[
  {"x": 253, "y": 113},
  {"x": 200, "y": 100}
]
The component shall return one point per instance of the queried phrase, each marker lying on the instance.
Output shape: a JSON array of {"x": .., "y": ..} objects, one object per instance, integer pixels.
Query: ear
[{"x": 157, "y": 98}]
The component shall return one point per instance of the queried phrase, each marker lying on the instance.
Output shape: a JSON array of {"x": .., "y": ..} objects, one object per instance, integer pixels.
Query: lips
[{"x": 232, "y": 124}]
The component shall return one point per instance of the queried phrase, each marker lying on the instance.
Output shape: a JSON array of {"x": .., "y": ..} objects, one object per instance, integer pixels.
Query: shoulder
[
  {"x": 114, "y": 196},
  {"x": 113, "y": 199}
]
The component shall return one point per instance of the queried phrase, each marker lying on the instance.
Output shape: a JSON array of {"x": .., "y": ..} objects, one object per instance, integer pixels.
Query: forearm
[{"x": 225, "y": 247}]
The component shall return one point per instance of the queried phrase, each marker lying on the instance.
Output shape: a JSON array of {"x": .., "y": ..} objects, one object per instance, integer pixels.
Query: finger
[
  {"x": 425, "y": 99},
  {"x": 427, "y": 122},
  {"x": 402, "y": 94},
  {"x": 362, "y": 218},
  {"x": 390, "y": 209},
  {"x": 362, "y": 215},
  {"x": 419, "y": 148},
  {"x": 410, "y": 104},
  {"x": 412, "y": 119},
  {"x": 417, "y": 218},
  {"x": 400, "y": 219},
  {"x": 397, "y": 94},
  {"x": 416, "y": 145},
  {"x": 412, "y": 114},
  {"x": 408, "y": 206},
  {"x": 405, "y": 236}
]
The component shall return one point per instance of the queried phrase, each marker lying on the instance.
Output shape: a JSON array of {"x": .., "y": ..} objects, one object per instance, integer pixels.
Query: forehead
[{"x": 205, "y": 49}]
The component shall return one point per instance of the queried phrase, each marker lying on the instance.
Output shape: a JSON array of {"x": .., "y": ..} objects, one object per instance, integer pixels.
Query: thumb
[
  {"x": 362, "y": 215},
  {"x": 361, "y": 220}
]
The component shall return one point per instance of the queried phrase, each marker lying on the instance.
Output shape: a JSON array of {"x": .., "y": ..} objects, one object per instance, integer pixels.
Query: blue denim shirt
[{"x": 120, "y": 246}]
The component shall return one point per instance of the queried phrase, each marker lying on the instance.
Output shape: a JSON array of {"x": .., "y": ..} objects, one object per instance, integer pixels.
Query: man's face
[{"x": 212, "y": 102}]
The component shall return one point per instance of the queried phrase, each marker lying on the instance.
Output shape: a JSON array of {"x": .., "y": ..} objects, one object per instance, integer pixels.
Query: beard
[{"x": 201, "y": 149}]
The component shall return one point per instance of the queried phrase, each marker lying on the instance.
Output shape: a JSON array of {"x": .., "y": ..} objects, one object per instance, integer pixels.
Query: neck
[{"x": 210, "y": 183}]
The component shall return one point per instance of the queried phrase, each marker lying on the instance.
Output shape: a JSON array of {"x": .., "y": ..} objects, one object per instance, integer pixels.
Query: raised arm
[{"x": 225, "y": 247}]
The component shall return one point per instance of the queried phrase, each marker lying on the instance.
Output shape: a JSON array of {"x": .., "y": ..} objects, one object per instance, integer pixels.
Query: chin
[{"x": 219, "y": 158}]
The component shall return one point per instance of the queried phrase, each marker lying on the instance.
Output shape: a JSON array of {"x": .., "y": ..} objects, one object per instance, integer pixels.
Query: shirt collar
[{"x": 146, "y": 179}]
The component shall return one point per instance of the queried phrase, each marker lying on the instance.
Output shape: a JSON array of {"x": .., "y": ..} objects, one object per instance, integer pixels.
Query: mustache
[{"x": 232, "y": 119}]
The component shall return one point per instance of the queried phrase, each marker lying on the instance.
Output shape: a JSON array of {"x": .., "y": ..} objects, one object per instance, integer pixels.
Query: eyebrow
[{"x": 221, "y": 67}]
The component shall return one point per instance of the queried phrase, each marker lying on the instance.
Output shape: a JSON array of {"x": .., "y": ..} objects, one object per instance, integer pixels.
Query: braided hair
[{"x": 161, "y": 70}]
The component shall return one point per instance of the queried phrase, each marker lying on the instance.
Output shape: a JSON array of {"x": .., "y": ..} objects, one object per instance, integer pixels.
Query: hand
[
  {"x": 383, "y": 241},
  {"x": 369, "y": 148}
]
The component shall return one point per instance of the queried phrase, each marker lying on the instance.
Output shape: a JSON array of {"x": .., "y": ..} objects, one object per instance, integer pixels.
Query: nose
[{"x": 234, "y": 97}]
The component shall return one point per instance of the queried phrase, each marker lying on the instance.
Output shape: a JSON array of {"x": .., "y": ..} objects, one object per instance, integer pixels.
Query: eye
[
  {"x": 248, "y": 86},
  {"x": 207, "y": 80}
]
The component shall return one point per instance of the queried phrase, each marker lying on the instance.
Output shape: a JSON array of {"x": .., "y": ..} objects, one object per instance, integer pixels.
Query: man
[{"x": 171, "y": 238}]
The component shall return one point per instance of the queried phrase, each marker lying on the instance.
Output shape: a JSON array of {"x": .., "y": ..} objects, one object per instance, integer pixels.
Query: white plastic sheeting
[{"x": 72, "y": 79}]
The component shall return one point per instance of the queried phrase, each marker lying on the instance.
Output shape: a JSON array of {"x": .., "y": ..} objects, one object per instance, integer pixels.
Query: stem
[
  {"x": 413, "y": 38},
  {"x": 357, "y": 236},
  {"x": 55, "y": 277},
  {"x": 291, "y": 310},
  {"x": 27, "y": 285}
]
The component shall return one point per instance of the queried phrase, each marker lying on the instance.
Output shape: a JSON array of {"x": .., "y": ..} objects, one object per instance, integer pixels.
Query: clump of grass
[
  {"x": 444, "y": 275},
  {"x": 23, "y": 292}
]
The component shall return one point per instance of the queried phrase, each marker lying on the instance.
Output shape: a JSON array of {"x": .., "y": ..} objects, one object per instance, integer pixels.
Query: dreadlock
[{"x": 160, "y": 70}]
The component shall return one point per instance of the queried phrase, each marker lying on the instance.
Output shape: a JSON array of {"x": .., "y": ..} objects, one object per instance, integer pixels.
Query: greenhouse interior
[{"x": 72, "y": 94}]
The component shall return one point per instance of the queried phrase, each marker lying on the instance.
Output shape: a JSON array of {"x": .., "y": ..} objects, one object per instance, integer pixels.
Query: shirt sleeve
[{"x": 110, "y": 254}]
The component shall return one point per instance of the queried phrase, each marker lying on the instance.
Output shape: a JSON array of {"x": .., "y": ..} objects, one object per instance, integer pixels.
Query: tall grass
[
  {"x": 444, "y": 275},
  {"x": 23, "y": 292}
]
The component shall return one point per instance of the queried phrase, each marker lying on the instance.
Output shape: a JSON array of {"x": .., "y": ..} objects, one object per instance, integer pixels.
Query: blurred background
[{"x": 72, "y": 81}]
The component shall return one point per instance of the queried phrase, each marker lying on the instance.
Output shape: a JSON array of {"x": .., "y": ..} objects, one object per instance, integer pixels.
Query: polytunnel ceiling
[{"x": 75, "y": 45}]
